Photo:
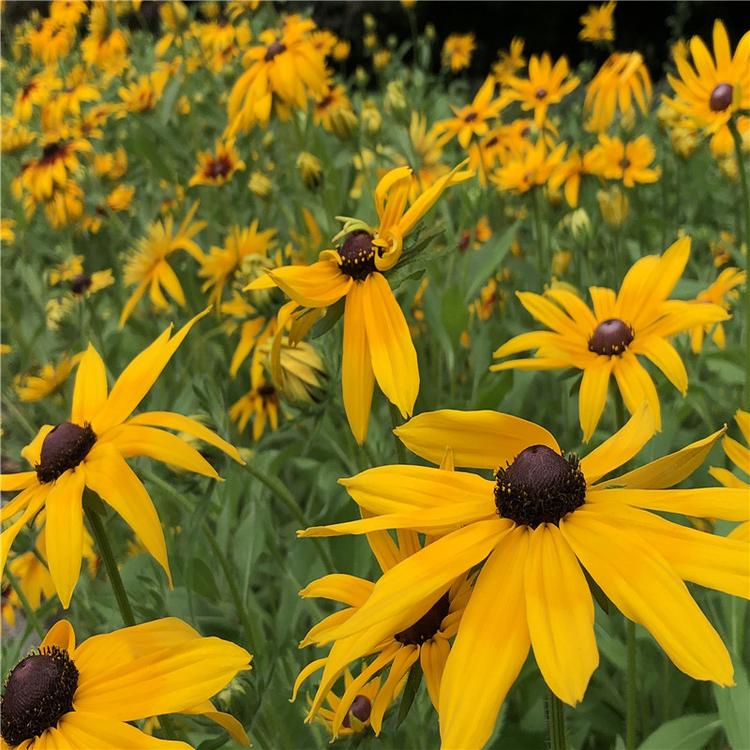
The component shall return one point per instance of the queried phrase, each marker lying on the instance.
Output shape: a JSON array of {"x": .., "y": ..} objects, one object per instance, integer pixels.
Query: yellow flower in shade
[
  {"x": 14, "y": 136},
  {"x": 614, "y": 206},
  {"x": 147, "y": 266},
  {"x": 471, "y": 121},
  {"x": 7, "y": 235},
  {"x": 297, "y": 370},
  {"x": 222, "y": 263},
  {"x": 219, "y": 166},
  {"x": 82, "y": 696},
  {"x": 622, "y": 78},
  {"x": 144, "y": 93},
  {"x": 721, "y": 292},
  {"x": 547, "y": 84},
  {"x": 570, "y": 172},
  {"x": 457, "y": 51},
  {"x": 543, "y": 519},
  {"x": 261, "y": 403},
  {"x": 710, "y": 91},
  {"x": 357, "y": 718},
  {"x": 377, "y": 342},
  {"x": 121, "y": 198},
  {"x": 598, "y": 24},
  {"x": 49, "y": 379},
  {"x": 90, "y": 451},
  {"x": 423, "y": 637},
  {"x": 510, "y": 61},
  {"x": 310, "y": 169},
  {"x": 630, "y": 162},
  {"x": 529, "y": 167},
  {"x": 639, "y": 320}
]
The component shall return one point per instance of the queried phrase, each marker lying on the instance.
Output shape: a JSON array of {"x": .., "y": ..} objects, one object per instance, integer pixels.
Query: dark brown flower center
[
  {"x": 80, "y": 283},
  {"x": 624, "y": 162},
  {"x": 471, "y": 117},
  {"x": 218, "y": 168},
  {"x": 266, "y": 390},
  {"x": 273, "y": 49},
  {"x": 540, "y": 93},
  {"x": 611, "y": 337},
  {"x": 64, "y": 448},
  {"x": 360, "y": 710},
  {"x": 721, "y": 97},
  {"x": 427, "y": 625},
  {"x": 38, "y": 692},
  {"x": 51, "y": 152},
  {"x": 540, "y": 486},
  {"x": 358, "y": 255}
]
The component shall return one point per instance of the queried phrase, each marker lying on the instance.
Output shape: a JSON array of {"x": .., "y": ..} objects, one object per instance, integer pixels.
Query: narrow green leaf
[{"x": 690, "y": 732}]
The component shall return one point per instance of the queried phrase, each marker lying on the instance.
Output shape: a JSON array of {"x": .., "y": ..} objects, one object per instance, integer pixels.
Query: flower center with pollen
[
  {"x": 358, "y": 255},
  {"x": 80, "y": 283},
  {"x": 721, "y": 97},
  {"x": 611, "y": 337},
  {"x": 540, "y": 93},
  {"x": 540, "y": 486},
  {"x": 273, "y": 49},
  {"x": 427, "y": 625},
  {"x": 360, "y": 710},
  {"x": 39, "y": 691},
  {"x": 64, "y": 448}
]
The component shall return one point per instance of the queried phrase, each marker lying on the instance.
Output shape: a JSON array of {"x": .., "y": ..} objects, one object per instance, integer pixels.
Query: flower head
[
  {"x": 721, "y": 292},
  {"x": 217, "y": 167},
  {"x": 597, "y": 23},
  {"x": 457, "y": 51}
]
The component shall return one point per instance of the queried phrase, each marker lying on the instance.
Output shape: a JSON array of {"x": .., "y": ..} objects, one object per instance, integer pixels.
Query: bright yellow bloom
[
  {"x": 333, "y": 111},
  {"x": 67, "y": 12},
  {"x": 358, "y": 716},
  {"x": 217, "y": 167},
  {"x": 542, "y": 520},
  {"x": 377, "y": 343},
  {"x": 508, "y": 63},
  {"x": 598, "y": 24},
  {"x": 261, "y": 403},
  {"x": 105, "y": 47},
  {"x": 7, "y": 235},
  {"x": 14, "y": 136},
  {"x": 34, "y": 93},
  {"x": 639, "y": 320},
  {"x": 629, "y": 162},
  {"x": 111, "y": 164},
  {"x": 82, "y": 696},
  {"x": 121, "y": 198},
  {"x": 144, "y": 93},
  {"x": 622, "y": 78},
  {"x": 721, "y": 292},
  {"x": 49, "y": 379},
  {"x": 711, "y": 92},
  {"x": 530, "y": 167},
  {"x": 570, "y": 172},
  {"x": 147, "y": 266},
  {"x": 546, "y": 85},
  {"x": 457, "y": 51},
  {"x": 50, "y": 41},
  {"x": 89, "y": 451}
]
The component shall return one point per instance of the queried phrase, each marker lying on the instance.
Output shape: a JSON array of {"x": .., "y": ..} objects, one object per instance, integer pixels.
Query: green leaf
[
  {"x": 454, "y": 313},
  {"x": 166, "y": 105},
  {"x": 329, "y": 320},
  {"x": 690, "y": 732},
  {"x": 413, "y": 682},
  {"x": 733, "y": 703},
  {"x": 415, "y": 259},
  {"x": 486, "y": 261}
]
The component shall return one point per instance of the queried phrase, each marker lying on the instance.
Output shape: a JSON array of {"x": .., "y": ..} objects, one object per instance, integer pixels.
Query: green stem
[
  {"x": 746, "y": 210},
  {"x": 27, "y": 608},
  {"x": 540, "y": 249},
  {"x": 395, "y": 421},
  {"x": 105, "y": 551},
  {"x": 632, "y": 706},
  {"x": 558, "y": 737}
]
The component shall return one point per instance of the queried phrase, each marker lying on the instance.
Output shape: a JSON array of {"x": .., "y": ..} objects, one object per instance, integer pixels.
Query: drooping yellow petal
[
  {"x": 479, "y": 439},
  {"x": 433, "y": 656},
  {"x": 357, "y": 378},
  {"x": 666, "y": 358},
  {"x": 737, "y": 453},
  {"x": 33, "y": 499},
  {"x": 636, "y": 386},
  {"x": 226, "y": 721},
  {"x": 642, "y": 585},
  {"x": 402, "y": 663},
  {"x": 489, "y": 650},
  {"x": 90, "y": 392},
  {"x": 91, "y": 730},
  {"x": 19, "y": 481},
  {"x": 339, "y": 587},
  {"x": 321, "y": 284},
  {"x": 394, "y": 359},
  {"x": 593, "y": 395},
  {"x": 727, "y": 478},
  {"x": 560, "y": 615}
]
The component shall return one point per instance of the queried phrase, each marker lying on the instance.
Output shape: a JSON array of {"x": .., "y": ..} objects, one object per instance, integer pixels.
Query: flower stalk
[{"x": 558, "y": 737}]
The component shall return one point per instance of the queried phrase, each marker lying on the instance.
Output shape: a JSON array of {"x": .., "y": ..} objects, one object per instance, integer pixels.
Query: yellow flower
[
  {"x": 297, "y": 370},
  {"x": 147, "y": 266},
  {"x": 508, "y": 63},
  {"x": 331, "y": 108},
  {"x": 530, "y": 167},
  {"x": 50, "y": 41},
  {"x": 711, "y": 92},
  {"x": 14, "y": 136},
  {"x": 598, "y": 24},
  {"x": 614, "y": 206},
  {"x": 72, "y": 271},
  {"x": 49, "y": 379},
  {"x": 259, "y": 184},
  {"x": 546, "y": 85},
  {"x": 377, "y": 343},
  {"x": 629, "y": 162},
  {"x": 7, "y": 235},
  {"x": 89, "y": 451},
  {"x": 357, "y": 718},
  {"x": 217, "y": 168},
  {"x": 570, "y": 172},
  {"x": 111, "y": 164},
  {"x": 457, "y": 50},
  {"x": 144, "y": 93},
  {"x": 622, "y": 78},
  {"x": 121, "y": 198},
  {"x": 310, "y": 169},
  {"x": 720, "y": 292},
  {"x": 261, "y": 403},
  {"x": 82, "y": 696},
  {"x": 639, "y": 320},
  {"x": 543, "y": 520},
  {"x": 35, "y": 92},
  {"x": 67, "y": 12},
  {"x": 105, "y": 47}
]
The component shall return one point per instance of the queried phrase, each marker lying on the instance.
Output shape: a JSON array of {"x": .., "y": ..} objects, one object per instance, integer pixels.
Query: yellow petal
[
  {"x": 727, "y": 478},
  {"x": 61, "y": 634},
  {"x": 480, "y": 439},
  {"x": 226, "y": 721},
  {"x": 433, "y": 657},
  {"x": 33, "y": 498},
  {"x": 738, "y": 454},
  {"x": 560, "y": 615},
  {"x": 89, "y": 730},
  {"x": 339, "y": 587},
  {"x": 666, "y": 358},
  {"x": 636, "y": 386},
  {"x": 593, "y": 395},
  {"x": 642, "y": 585},
  {"x": 402, "y": 663},
  {"x": 33, "y": 451},
  {"x": 20, "y": 481},
  {"x": 90, "y": 392},
  {"x": 489, "y": 650},
  {"x": 321, "y": 284}
]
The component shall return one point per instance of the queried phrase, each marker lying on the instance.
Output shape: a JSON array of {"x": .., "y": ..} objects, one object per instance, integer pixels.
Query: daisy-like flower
[
  {"x": 543, "y": 520},
  {"x": 630, "y": 162},
  {"x": 377, "y": 342},
  {"x": 34, "y": 93},
  {"x": 7, "y": 233},
  {"x": 72, "y": 272},
  {"x": 570, "y": 172},
  {"x": 622, "y": 78},
  {"x": 721, "y": 292},
  {"x": 333, "y": 110},
  {"x": 510, "y": 61},
  {"x": 82, "y": 696},
  {"x": 49, "y": 379},
  {"x": 357, "y": 718},
  {"x": 144, "y": 93},
  {"x": 261, "y": 403},
  {"x": 147, "y": 266},
  {"x": 711, "y": 92},
  {"x": 424, "y": 639},
  {"x": 217, "y": 167},
  {"x": 457, "y": 51},
  {"x": 120, "y": 198},
  {"x": 14, "y": 136},
  {"x": 90, "y": 450},
  {"x": 547, "y": 84},
  {"x": 598, "y": 24},
  {"x": 529, "y": 167},
  {"x": 639, "y": 320}
]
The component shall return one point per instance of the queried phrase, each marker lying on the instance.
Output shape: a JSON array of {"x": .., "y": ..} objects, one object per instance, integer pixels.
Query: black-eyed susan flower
[
  {"x": 333, "y": 111},
  {"x": 357, "y": 718},
  {"x": 424, "y": 639},
  {"x": 546, "y": 84},
  {"x": 217, "y": 167},
  {"x": 71, "y": 272},
  {"x": 544, "y": 519},
  {"x": 89, "y": 451},
  {"x": 722, "y": 292},
  {"x": 82, "y": 696},
  {"x": 7, "y": 233},
  {"x": 598, "y": 24},
  {"x": 120, "y": 198},
  {"x": 711, "y": 90},
  {"x": 48, "y": 380},
  {"x": 457, "y": 51},
  {"x": 509, "y": 61},
  {"x": 14, "y": 136},
  {"x": 630, "y": 161},
  {"x": 570, "y": 172},
  {"x": 147, "y": 266},
  {"x": 530, "y": 166},
  {"x": 144, "y": 93},
  {"x": 33, "y": 93},
  {"x": 637, "y": 321},
  {"x": 261, "y": 403},
  {"x": 377, "y": 343}
]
